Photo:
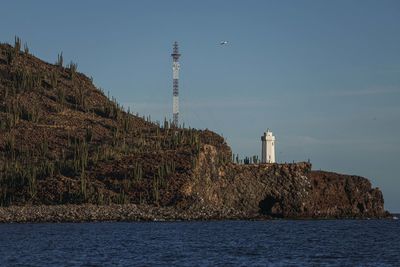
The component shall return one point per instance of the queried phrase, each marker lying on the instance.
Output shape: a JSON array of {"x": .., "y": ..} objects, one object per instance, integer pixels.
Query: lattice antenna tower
[{"x": 175, "y": 84}]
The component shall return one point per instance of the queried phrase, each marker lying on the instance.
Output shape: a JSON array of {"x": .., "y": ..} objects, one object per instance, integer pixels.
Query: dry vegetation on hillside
[{"x": 63, "y": 141}]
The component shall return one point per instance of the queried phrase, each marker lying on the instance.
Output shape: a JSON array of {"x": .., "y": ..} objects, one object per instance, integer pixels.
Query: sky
[{"x": 324, "y": 76}]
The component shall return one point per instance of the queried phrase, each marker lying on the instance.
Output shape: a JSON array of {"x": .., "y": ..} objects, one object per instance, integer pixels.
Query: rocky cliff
[
  {"x": 63, "y": 142},
  {"x": 281, "y": 190}
]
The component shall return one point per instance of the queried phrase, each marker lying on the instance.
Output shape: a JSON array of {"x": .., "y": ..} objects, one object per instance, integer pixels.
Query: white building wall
[{"x": 268, "y": 147}]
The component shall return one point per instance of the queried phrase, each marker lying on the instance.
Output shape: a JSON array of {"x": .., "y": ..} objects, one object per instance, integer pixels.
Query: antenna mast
[{"x": 175, "y": 84}]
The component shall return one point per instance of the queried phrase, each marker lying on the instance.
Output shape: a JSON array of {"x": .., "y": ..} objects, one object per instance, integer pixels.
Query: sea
[{"x": 203, "y": 243}]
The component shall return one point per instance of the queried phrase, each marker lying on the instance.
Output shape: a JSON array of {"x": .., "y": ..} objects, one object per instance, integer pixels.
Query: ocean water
[{"x": 215, "y": 243}]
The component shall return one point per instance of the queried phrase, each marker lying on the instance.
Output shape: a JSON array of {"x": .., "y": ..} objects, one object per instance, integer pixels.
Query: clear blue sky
[{"x": 323, "y": 75}]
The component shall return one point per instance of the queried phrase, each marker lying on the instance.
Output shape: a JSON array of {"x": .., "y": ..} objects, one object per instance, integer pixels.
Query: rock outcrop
[{"x": 281, "y": 190}]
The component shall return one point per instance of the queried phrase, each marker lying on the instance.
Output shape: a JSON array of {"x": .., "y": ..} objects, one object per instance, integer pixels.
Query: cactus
[
  {"x": 32, "y": 187},
  {"x": 10, "y": 55},
  {"x": 137, "y": 172},
  {"x": 60, "y": 92},
  {"x": 26, "y": 49},
  {"x": 17, "y": 45},
  {"x": 72, "y": 70},
  {"x": 156, "y": 190},
  {"x": 54, "y": 79},
  {"x": 83, "y": 184},
  {"x": 60, "y": 60}
]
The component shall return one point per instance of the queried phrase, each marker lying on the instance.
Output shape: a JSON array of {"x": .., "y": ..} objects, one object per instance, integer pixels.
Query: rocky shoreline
[{"x": 128, "y": 213}]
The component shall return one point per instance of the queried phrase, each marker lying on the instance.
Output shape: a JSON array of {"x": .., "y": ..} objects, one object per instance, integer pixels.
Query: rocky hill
[{"x": 62, "y": 142}]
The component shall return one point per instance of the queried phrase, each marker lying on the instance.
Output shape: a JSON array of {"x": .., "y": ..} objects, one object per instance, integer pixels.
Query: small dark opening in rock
[
  {"x": 270, "y": 206},
  {"x": 360, "y": 207}
]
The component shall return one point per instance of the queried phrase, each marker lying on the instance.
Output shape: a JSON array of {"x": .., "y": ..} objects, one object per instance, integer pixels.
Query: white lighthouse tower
[{"x": 268, "y": 147}]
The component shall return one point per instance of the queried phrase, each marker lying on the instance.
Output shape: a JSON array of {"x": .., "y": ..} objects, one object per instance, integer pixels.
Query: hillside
[{"x": 62, "y": 141}]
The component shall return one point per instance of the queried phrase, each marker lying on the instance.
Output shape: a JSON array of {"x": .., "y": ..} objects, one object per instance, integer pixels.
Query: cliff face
[
  {"x": 62, "y": 141},
  {"x": 281, "y": 190},
  {"x": 344, "y": 195}
]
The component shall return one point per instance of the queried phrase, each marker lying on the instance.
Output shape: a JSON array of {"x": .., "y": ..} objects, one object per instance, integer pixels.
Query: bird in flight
[{"x": 223, "y": 43}]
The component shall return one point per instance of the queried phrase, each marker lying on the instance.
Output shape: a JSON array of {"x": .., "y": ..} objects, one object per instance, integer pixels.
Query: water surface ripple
[{"x": 218, "y": 243}]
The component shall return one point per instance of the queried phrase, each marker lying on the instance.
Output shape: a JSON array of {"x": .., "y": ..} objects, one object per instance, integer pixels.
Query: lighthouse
[{"x": 268, "y": 147}]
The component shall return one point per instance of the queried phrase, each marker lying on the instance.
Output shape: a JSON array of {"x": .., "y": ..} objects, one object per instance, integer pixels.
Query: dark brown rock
[{"x": 282, "y": 190}]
